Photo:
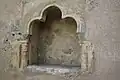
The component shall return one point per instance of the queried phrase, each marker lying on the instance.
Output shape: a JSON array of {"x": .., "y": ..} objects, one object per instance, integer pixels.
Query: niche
[{"x": 53, "y": 40}]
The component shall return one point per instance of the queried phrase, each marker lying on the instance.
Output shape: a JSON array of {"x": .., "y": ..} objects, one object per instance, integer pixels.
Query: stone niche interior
[{"x": 53, "y": 40}]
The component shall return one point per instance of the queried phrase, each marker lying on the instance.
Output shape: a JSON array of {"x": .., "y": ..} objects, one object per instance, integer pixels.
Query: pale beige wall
[{"x": 103, "y": 20}]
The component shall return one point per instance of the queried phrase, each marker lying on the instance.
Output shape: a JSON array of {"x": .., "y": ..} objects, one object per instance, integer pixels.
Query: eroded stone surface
[
  {"x": 16, "y": 27},
  {"x": 56, "y": 40}
]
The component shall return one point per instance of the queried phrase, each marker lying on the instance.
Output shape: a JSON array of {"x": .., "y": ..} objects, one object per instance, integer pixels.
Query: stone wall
[{"x": 102, "y": 21}]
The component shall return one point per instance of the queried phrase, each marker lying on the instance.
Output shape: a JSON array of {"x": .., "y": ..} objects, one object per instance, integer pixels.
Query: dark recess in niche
[{"x": 43, "y": 32}]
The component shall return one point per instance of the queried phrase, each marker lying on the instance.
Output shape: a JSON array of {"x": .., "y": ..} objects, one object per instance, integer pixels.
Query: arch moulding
[{"x": 42, "y": 17}]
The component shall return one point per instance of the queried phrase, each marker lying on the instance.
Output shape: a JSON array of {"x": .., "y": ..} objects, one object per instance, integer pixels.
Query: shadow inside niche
[{"x": 54, "y": 41}]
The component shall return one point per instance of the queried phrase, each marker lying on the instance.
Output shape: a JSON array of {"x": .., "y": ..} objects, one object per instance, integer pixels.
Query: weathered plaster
[
  {"x": 15, "y": 24},
  {"x": 28, "y": 16}
]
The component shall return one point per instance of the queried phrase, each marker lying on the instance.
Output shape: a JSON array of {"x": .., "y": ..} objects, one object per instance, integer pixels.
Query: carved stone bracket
[
  {"x": 87, "y": 57},
  {"x": 19, "y": 56}
]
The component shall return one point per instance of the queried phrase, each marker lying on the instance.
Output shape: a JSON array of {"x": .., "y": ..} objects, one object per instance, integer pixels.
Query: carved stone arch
[
  {"x": 84, "y": 50},
  {"x": 59, "y": 11},
  {"x": 51, "y": 15},
  {"x": 77, "y": 19},
  {"x": 39, "y": 20},
  {"x": 55, "y": 7}
]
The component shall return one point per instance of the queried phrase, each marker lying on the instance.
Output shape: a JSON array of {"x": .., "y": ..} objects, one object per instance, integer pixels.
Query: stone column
[{"x": 23, "y": 54}]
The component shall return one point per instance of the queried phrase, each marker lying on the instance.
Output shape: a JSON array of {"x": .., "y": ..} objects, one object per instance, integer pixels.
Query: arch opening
[
  {"x": 53, "y": 40},
  {"x": 51, "y": 13}
]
